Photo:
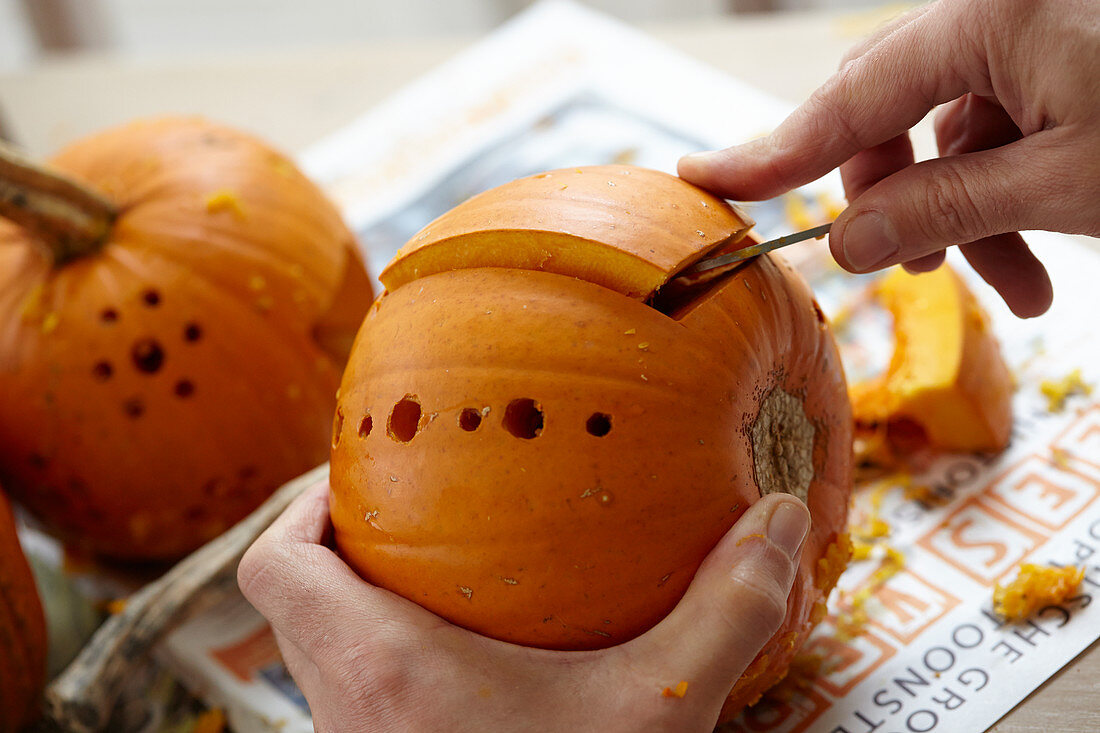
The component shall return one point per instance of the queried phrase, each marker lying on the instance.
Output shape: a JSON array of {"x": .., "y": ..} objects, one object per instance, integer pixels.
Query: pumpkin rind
[
  {"x": 153, "y": 393},
  {"x": 550, "y": 529},
  {"x": 620, "y": 226},
  {"x": 22, "y": 631}
]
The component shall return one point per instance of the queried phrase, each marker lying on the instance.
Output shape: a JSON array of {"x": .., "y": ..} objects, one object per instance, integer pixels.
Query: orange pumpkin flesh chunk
[
  {"x": 542, "y": 458},
  {"x": 1035, "y": 587},
  {"x": 625, "y": 228},
  {"x": 946, "y": 378}
]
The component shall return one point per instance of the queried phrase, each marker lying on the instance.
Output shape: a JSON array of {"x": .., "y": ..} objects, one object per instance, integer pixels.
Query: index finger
[{"x": 870, "y": 100}]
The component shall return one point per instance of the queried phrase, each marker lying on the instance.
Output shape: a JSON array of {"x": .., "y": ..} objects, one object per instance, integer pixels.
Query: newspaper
[
  {"x": 562, "y": 86},
  {"x": 933, "y": 655}
]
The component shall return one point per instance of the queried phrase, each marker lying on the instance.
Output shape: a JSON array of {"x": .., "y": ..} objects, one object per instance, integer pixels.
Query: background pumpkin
[
  {"x": 158, "y": 378},
  {"x": 22, "y": 631},
  {"x": 547, "y": 460}
]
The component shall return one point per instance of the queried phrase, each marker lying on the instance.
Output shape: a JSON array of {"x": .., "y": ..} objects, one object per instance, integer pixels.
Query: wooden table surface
[{"x": 294, "y": 97}]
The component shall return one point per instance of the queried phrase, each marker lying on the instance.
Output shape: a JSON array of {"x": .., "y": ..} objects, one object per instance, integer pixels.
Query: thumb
[
  {"x": 735, "y": 603},
  {"x": 1034, "y": 183}
]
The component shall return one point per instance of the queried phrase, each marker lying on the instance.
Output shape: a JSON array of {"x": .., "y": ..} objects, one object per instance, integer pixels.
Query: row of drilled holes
[{"x": 523, "y": 418}]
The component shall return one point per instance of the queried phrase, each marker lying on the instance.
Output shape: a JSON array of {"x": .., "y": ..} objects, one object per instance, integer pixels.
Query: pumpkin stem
[{"x": 67, "y": 218}]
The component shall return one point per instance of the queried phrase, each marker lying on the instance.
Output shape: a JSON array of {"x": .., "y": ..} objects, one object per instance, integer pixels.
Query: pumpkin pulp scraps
[
  {"x": 1034, "y": 587},
  {"x": 678, "y": 691},
  {"x": 1058, "y": 391},
  {"x": 851, "y": 621}
]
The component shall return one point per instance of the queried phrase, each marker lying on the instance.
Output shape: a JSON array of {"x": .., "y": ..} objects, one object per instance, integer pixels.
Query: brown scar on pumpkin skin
[{"x": 782, "y": 446}]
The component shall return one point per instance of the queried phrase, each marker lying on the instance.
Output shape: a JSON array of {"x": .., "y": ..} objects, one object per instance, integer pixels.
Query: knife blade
[{"x": 754, "y": 250}]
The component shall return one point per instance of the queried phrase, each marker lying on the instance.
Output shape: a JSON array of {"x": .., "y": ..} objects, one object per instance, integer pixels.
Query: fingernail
[
  {"x": 696, "y": 162},
  {"x": 702, "y": 156},
  {"x": 788, "y": 526},
  {"x": 869, "y": 241}
]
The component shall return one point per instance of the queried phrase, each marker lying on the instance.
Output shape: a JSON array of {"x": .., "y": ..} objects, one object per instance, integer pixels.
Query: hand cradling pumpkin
[
  {"x": 176, "y": 303},
  {"x": 22, "y": 631},
  {"x": 527, "y": 447}
]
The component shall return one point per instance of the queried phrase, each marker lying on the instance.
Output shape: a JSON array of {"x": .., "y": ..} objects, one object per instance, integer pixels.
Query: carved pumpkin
[
  {"x": 947, "y": 387},
  {"x": 172, "y": 331},
  {"x": 536, "y": 453},
  {"x": 22, "y": 631}
]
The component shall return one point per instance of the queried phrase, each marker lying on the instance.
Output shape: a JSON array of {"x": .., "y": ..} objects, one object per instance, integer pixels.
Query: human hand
[
  {"x": 1018, "y": 136},
  {"x": 367, "y": 659}
]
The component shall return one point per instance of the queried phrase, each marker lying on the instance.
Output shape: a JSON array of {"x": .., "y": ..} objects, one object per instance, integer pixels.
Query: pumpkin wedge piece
[
  {"x": 947, "y": 385},
  {"x": 625, "y": 228}
]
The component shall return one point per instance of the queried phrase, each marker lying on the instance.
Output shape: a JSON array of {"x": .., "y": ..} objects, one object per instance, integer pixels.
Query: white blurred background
[{"x": 30, "y": 29}]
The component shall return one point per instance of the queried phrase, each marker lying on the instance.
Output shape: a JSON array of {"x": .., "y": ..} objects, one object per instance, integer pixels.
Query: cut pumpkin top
[{"x": 625, "y": 228}]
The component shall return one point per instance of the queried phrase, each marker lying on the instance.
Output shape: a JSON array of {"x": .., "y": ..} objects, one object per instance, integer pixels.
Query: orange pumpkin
[
  {"x": 172, "y": 357},
  {"x": 536, "y": 453},
  {"x": 22, "y": 631}
]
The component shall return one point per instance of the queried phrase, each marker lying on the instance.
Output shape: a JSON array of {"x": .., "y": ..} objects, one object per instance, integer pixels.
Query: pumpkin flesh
[{"x": 946, "y": 378}]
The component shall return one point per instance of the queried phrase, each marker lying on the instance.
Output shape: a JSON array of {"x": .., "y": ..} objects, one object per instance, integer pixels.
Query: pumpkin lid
[{"x": 625, "y": 228}]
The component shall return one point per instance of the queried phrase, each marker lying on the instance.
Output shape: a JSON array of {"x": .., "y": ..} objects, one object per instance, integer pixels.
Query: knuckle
[
  {"x": 1009, "y": 8},
  {"x": 761, "y": 603},
  {"x": 370, "y": 689},
  {"x": 375, "y": 667},
  {"x": 953, "y": 217},
  {"x": 852, "y": 54},
  {"x": 269, "y": 568},
  {"x": 252, "y": 570},
  {"x": 831, "y": 117}
]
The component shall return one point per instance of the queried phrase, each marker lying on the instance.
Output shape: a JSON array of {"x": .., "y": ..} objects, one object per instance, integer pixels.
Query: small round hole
[
  {"x": 337, "y": 426},
  {"x": 599, "y": 424},
  {"x": 108, "y": 315},
  {"x": 102, "y": 370},
  {"x": 133, "y": 407},
  {"x": 405, "y": 419},
  {"x": 192, "y": 332},
  {"x": 185, "y": 388},
  {"x": 365, "y": 426},
  {"x": 151, "y": 298},
  {"x": 469, "y": 419},
  {"x": 523, "y": 418},
  {"x": 147, "y": 355}
]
